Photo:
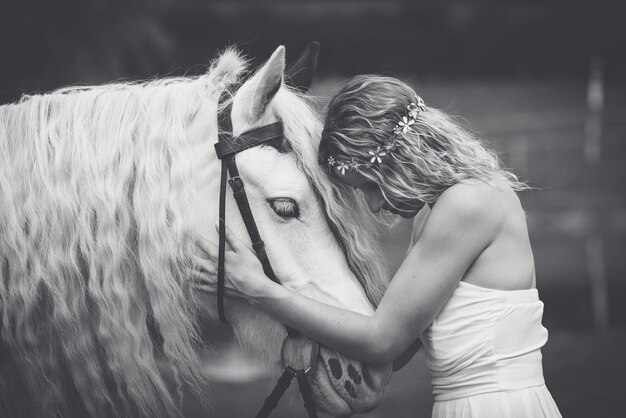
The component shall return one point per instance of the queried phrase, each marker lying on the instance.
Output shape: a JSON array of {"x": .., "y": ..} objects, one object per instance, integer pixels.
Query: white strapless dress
[{"x": 484, "y": 353}]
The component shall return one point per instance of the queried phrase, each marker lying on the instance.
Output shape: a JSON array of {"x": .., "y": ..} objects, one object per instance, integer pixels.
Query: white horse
[{"x": 103, "y": 193}]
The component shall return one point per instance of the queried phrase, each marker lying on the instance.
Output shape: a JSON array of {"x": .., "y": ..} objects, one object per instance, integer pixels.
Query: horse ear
[
  {"x": 300, "y": 74},
  {"x": 267, "y": 82}
]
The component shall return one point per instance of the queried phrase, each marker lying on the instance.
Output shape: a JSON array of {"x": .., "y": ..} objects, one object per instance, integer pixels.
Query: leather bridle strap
[
  {"x": 227, "y": 147},
  {"x": 224, "y": 130},
  {"x": 226, "y": 151}
]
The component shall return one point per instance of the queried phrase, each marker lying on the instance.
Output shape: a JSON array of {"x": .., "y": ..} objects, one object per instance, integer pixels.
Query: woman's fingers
[
  {"x": 209, "y": 265},
  {"x": 204, "y": 287},
  {"x": 208, "y": 248},
  {"x": 203, "y": 269},
  {"x": 206, "y": 269},
  {"x": 233, "y": 240},
  {"x": 206, "y": 272},
  {"x": 227, "y": 245},
  {"x": 211, "y": 288},
  {"x": 237, "y": 243}
]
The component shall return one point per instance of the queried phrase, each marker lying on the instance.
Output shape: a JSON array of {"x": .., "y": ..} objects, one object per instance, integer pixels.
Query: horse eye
[{"x": 285, "y": 207}]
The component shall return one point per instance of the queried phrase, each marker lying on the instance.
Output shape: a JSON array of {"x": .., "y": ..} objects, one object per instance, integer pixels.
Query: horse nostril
[
  {"x": 350, "y": 388},
  {"x": 335, "y": 368},
  {"x": 354, "y": 374}
]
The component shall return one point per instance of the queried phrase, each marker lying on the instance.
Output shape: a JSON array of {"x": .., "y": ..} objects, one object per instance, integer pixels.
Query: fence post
[
  {"x": 593, "y": 154},
  {"x": 597, "y": 275},
  {"x": 595, "y": 105}
]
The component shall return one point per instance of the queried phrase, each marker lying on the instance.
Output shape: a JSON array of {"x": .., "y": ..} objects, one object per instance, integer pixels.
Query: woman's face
[{"x": 374, "y": 196}]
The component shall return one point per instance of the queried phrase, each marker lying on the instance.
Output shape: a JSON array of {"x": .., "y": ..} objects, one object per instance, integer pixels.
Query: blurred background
[{"x": 542, "y": 81}]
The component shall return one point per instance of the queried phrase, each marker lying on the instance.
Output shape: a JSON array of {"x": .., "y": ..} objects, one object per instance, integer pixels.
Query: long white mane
[{"x": 93, "y": 246}]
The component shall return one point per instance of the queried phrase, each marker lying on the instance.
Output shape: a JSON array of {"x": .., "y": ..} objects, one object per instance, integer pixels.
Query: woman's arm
[{"x": 459, "y": 228}]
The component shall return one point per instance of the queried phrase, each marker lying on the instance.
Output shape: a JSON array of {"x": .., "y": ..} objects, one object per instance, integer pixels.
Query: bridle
[{"x": 227, "y": 147}]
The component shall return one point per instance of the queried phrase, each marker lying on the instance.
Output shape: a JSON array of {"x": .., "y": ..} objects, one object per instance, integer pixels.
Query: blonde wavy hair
[{"x": 434, "y": 154}]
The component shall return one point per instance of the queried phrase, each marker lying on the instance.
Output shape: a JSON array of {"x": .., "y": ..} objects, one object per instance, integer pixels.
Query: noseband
[{"x": 227, "y": 147}]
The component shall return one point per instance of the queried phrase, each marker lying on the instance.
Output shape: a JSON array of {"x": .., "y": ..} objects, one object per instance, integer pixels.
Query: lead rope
[
  {"x": 284, "y": 381},
  {"x": 305, "y": 391}
]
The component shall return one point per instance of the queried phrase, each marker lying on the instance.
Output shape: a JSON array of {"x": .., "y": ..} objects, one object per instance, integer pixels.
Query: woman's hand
[{"x": 243, "y": 270}]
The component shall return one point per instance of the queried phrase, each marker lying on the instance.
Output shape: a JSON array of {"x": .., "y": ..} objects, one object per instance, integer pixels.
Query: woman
[{"x": 467, "y": 284}]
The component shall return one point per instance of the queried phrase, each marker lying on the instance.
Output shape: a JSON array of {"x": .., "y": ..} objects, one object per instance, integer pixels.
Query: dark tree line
[{"x": 46, "y": 44}]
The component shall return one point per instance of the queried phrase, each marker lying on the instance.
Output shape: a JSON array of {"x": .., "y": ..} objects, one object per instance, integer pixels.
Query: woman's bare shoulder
[{"x": 478, "y": 202}]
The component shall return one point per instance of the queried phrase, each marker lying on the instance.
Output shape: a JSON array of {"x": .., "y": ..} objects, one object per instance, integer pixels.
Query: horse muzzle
[{"x": 343, "y": 386}]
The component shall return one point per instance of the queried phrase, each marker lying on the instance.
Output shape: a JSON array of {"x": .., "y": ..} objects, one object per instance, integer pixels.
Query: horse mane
[{"x": 93, "y": 194}]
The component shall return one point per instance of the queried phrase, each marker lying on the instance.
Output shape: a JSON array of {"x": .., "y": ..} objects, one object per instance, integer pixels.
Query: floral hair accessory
[{"x": 377, "y": 155}]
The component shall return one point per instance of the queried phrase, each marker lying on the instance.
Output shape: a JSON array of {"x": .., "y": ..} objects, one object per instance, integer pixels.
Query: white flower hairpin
[{"x": 377, "y": 155}]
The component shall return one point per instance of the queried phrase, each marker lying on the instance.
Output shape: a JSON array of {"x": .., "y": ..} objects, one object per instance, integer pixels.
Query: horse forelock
[
  {"x": 93, "y": 194},
  {"x": 347, "y": 213}
]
